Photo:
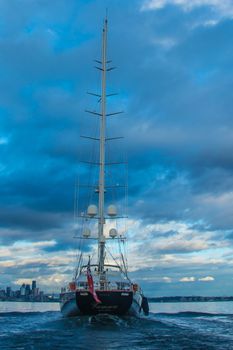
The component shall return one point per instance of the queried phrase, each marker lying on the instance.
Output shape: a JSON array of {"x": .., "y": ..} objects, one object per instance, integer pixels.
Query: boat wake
[
  {"x": 189, "y": 314},
  {"x": 106, "y": 320},
  {"x": 182, "y": 330},
  {"x": 27, "y": 313}
]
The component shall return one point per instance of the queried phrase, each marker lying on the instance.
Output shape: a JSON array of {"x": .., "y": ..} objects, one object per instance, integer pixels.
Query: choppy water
[{"x": 169, "y": 326}]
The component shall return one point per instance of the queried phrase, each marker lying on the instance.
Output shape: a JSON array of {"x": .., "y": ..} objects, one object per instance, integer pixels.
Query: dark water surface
[{"x": 169, "y": 326}]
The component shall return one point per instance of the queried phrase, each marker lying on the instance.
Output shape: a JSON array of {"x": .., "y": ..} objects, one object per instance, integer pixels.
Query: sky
[{"x": 174, "y": 62}]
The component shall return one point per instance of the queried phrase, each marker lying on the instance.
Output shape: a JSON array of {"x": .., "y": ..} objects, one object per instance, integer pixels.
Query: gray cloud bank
[{"x": 174, "y": 76}]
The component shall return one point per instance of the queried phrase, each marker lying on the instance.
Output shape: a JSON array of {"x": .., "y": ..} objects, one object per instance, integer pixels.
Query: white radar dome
[
  {"x": 86, "y": 232},
  {"x": 113, "y": 232},
  {"x": 112, "y": 211},
  {"x": 92, "y": 210}
]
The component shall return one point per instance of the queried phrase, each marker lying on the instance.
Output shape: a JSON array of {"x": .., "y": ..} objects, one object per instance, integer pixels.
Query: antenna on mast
[{"x": 106, "y": 14}]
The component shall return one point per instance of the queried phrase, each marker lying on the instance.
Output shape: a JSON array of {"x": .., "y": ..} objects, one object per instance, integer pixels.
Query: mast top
[
  {"x": 106, "y": 15},
  {"x": 105, "y": 22}
]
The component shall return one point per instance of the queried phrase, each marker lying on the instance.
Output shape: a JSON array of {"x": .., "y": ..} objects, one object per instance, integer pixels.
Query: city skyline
[
  {"x": 174, "y": 79},
  {"x": 25, "y": 292},
  {"x": 24, "y": 289}
]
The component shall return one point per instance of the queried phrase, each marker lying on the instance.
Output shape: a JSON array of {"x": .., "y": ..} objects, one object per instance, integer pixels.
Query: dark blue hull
[{"x": 112, "y": 302}]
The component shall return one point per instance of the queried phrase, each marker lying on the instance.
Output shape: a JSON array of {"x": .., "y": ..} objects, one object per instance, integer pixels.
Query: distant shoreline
[
  {"x": 188, "y": 299},
  {"x": 177, "y": 299},
  {"x": 29, "y": 301}
]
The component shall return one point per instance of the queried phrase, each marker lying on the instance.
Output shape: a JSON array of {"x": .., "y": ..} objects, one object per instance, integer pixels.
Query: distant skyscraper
[
  {"x": 34, "y": 289},
  {"x": 33, "y": 285},
  {"x": 22, "y": 290},
  {"x": 8, "y": 291},
  {"x": 27, "y": 290}
]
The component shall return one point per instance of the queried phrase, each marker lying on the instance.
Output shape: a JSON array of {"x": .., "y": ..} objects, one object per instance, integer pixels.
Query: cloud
[
  {"x": 165, "y": 42},
  {"x": 206, "y": 279},
  {"x": 55, "y": 281},
  {"x": 167, "y": 279},
  {"x": 188, "y": 279},
  {"x": 175, "y": 85},
  {"x": 197, "y": 13},
  {"x": 225, "y": 8}
]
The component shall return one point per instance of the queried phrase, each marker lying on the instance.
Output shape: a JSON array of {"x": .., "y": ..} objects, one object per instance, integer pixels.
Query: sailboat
[{"x": 101, "y": 287}]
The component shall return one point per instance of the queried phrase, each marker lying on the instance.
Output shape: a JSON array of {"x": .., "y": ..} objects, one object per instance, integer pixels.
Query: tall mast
[{"x": 101, "y": 237}]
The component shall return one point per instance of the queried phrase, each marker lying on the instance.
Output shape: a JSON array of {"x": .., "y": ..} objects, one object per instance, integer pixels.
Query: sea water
[{"x": 175, "y": 326}]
